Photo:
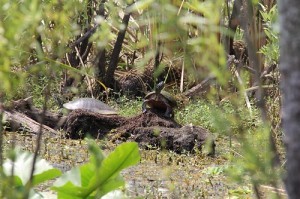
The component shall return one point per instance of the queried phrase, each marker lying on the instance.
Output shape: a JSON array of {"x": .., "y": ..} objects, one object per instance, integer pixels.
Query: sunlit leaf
[
  {"x": 100, "y": 175},
  {"x": 22, "y": 168}
]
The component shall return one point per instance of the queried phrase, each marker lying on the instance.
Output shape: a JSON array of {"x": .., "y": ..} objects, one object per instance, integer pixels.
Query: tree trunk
[
  {"x": 116, "y": 52},
  {"x": 289, "y": 16},
  {"x": 234, "y": 22},
  {"x": 101, "y": 56}
]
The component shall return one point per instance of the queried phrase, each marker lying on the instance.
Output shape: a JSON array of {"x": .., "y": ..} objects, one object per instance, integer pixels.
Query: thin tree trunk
[
  {"x": 234, "y": 22},
  {"x": 289, "y": 16},
  {"x": 101, "y": 56},
  {"x": 116, "y": 52}
]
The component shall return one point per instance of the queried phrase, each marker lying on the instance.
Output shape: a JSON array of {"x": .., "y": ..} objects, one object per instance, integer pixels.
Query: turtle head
[{"x": 159, "y": 87}]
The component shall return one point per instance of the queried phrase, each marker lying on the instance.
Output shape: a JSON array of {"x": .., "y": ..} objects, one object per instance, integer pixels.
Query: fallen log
[
  {"x": 20, "y": 122},
  {"x": 200, "y": 89},
  {"x": 53, "y": 120}
]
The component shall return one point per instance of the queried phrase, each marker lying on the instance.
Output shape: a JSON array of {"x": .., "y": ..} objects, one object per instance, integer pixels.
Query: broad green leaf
[
  {"x": 69, "y": 189},
  {"x": 46, "y": 175},
  {"x": 87, "y": 171},
  {"x": 96, "y": 154},
  {"x": 99, "y": 176},
  {"x": 74, "y": 182},
  {"x": 124, "y": 155},
  {"x": 111, "y": 184},
  {"x": 17, "y": 181},
  {"x": 67, "y": 196},
  {"x": 70, "y": 176},
  {"x": 70, "y": 183},
  {"x": 22, "y": 168}
]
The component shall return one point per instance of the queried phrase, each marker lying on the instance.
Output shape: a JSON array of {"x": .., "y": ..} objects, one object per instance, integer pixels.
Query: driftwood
[
  {"x": 18, "y": 121},
  {"x": 204, "y": 86},
  {"x": 24, "y": 106},
  {"x": 200, "y": 89}
]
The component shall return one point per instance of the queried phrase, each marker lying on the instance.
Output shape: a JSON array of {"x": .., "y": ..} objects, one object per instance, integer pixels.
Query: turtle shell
[
  {"x": 90, "y": 104},
  {"x": 159, "y": 100},
  {"x": 169, "y": 97}
]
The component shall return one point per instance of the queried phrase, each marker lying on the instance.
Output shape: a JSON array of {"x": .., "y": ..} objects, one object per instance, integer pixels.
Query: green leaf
[
  {"x": 110, "y": 185},
  {"x": 97, "y": 155},
  {"x": 99, "y": 176},
  {"x": 45, "y": 176},
  {"x": 124, "y": 155},
  {"x": 87, "y": 172},
  {"x": 67, "y": 196},
  {"x": 75, "y": 181},
  {"x": 22, "y": 168},
  {"x": 69, "y": 189},
  {"x": 70, "y": 176}
]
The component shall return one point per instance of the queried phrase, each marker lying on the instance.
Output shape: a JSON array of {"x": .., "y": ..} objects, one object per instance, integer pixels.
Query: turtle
[
  {"x": 90, "y": 104},
  {"x": 160, "y": 100}
]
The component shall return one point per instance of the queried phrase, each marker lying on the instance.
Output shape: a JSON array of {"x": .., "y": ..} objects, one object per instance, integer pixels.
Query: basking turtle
[
  {"x": 90, "y": 104},
  {"x": 160, "y": 100}
]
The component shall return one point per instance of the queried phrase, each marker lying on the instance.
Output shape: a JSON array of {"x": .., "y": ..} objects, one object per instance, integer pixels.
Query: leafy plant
[
  {"x": 271, "y": 49},
  {"x": 127, "y": 107},
  {"x": 17, "y": 171},
  {"x": 218, "y": 118},
  {"x": 100, "y": 175},
  {"x": 94, "y": 179}
]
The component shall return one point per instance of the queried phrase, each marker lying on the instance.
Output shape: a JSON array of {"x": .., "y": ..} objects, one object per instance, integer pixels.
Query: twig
[
  {"x": 182, "y": 2},
  {"x": 1, "y": 135},
  {"x": 244, "y": 91},
  {"x": 278, "y": 191},
  {"x": 38, "y": 142},
  {"x": 87, "y": 78},
  {"x": 88, "y": 34}
]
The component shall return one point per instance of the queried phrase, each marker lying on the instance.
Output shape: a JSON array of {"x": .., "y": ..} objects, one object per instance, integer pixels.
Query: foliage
[
  {"x": 271, "y": 29},
  {"x": 188, "y": 32},
  {"x": 99, "y": 176},
  {"x": 127, "y": 107},
  {"x": 221, "y": 119},
  {"x": 16, "y": 175},
  {"x": 95, "y": 178},
  {"x": 189, "y": 37},
  {"x": 22, "y": 23},
  {"x": 253, "y": 162}
]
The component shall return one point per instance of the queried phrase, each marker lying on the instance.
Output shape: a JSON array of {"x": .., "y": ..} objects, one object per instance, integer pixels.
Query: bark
[
  {"x": 18, "y": 121},
  {"x": 200, "y": 89},
  {"x": 116, "y": 52},
  {"x": 289, "y": 17},
  {"x": 100, "y": 64},
  {"x": 1, "y": 136},
  {"x": 82, "y": 44},
  {"x": 101, "y": 56},
  {"x": 234, "y": 22}
]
